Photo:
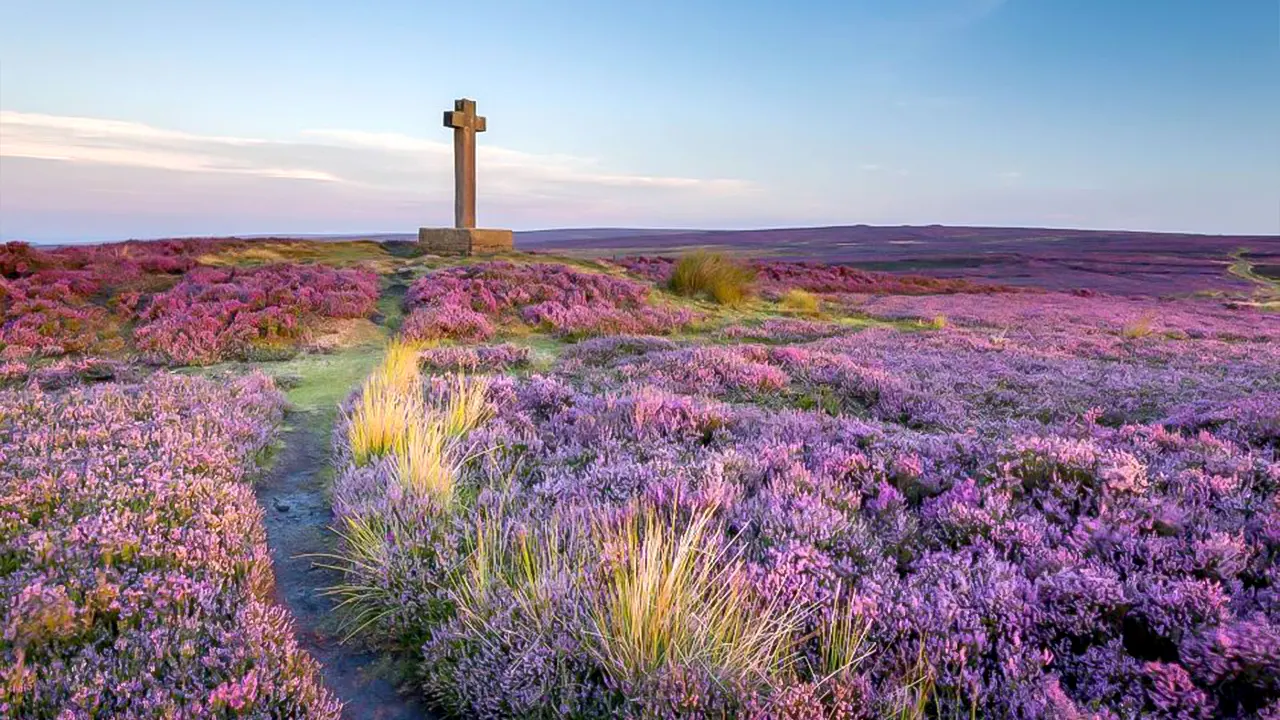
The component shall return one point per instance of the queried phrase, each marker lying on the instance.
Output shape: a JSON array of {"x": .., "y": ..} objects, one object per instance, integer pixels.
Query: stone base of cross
[
  {"x": 464, "y": 238},
  {"x": 465, "y": 241}
]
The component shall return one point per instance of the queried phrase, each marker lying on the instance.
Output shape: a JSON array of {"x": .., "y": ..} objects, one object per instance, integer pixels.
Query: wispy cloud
[{"x": 387, "y": 169}]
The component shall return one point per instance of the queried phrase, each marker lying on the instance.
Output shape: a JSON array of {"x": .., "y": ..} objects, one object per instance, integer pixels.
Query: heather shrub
[
  {"x": 784, "y": 330},
  {"x": 455, "y": 323},
  {"x": 1043, "y": 519},
  {"x": 470, "y": 301},
  {"x": 704, "y": 273},
  {"x": 484, "y": 358},
  {"x": 215, "y": 314},
  {"x": 135, "y": 579}
]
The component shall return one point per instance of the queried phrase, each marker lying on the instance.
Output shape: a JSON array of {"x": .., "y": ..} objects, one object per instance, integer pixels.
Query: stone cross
[{"x": 465, "y": 124}]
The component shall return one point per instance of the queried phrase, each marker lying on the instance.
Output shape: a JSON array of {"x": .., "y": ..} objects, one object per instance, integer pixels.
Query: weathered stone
[
  {"x": 465, "y": 241},
  {"x": 464, "y": 238},
  {"x": 465, "y": 124}
]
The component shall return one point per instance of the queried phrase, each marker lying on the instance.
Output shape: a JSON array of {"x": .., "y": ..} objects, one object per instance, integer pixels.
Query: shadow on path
[{"x": 297, "y": 517}]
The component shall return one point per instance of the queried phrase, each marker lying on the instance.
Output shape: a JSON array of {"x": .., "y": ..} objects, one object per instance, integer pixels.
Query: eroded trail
[{"x": 297, "y": 517}]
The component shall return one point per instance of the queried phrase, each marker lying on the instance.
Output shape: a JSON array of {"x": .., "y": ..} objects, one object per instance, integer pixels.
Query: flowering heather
[
  {"x": 134, "y": 574},
  {"x": 216, "y": 313},
  {"x": 1050, "y": 518},
  {"x": 1084, "y": 316},
  {"x": 465, "y": 302},
  {"x": 785, "y": 330},
  {"x": 485, "y": 358},
  {"x": 776, "y": 277},
  {"x": 43, "y": 316},
  {"x": 81, "y": 299}
]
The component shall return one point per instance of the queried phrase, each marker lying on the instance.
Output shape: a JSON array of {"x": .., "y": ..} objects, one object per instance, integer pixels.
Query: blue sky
[{"x": 140, "y": 118}]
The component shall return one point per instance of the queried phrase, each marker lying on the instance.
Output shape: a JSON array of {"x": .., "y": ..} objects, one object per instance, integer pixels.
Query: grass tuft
[
  {"x": 379, "y": 422},
  {"x": 389, "y": 404},
  {"x": 467, "y": 406},
  {"x": 1139, "y": 328},
  {"x": 715, "y": 276},
  {"x": 673, "y": 597},
  {"x": 800, "y": 301},
  {"x": 427, "y": 463},
  {"x": 843, "y": 642}
]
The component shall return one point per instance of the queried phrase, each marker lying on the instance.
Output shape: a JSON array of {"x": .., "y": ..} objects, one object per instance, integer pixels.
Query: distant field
[{"x": 1104, "y": 261}]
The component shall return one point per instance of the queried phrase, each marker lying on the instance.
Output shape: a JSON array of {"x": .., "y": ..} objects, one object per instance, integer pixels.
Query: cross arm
[{"x": 460, "y": 119}]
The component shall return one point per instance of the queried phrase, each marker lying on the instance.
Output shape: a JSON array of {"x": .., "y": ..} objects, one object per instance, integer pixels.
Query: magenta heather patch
[
  {"x": 439, "y": 323},
  {"x": 134, "y": 574},
  {"x": 485, "y": 358},
  {"x": 216, "y": 314},
  {"x": 568, "y": 302}
]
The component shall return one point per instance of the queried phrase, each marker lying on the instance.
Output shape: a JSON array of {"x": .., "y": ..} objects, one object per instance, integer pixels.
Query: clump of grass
[
  {"x": 366, "y": 554},
  {"x": 379, "y": 422},
  {"x": 426, "y": 463},
  {"x": 673, "y": 597},
  {"x": 1140, "y": 328},
  {"x": 713, "y": 275},
  {"x": 937, "y": 322},
  {"x": 800, "y": 301},
  {"x": 466, "y": 407},
  {"x": 428, "y": 460},
  {"x": 520, "y": 560},
  {"x": 389, "y": 404},
  {"x": 399, "y": 369},
  {"x": 843, "y": 642},
  {"x": 913, "y": 698}
]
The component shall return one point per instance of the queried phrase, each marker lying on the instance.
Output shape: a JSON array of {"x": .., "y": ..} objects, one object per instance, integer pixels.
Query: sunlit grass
[
  {"x": 378, "y": 423},
  {"x": 800, "y": 301},
  {"x": 937, "y": 322},
  {"x": 389, "y": 404},
  {"x": 427, "y": 463},
  {"x": 467, "y": 405},
  {"x": 675, "y": 597}
]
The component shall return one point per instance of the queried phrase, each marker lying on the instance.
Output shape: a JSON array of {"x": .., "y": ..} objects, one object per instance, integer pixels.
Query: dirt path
[{"x": 297, "y": 518}]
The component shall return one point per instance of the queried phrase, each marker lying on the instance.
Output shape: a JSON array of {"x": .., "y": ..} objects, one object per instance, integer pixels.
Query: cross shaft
[{"x": 465, "y": 124}]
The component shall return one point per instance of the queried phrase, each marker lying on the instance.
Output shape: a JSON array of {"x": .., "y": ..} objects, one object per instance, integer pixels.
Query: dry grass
[
  {"x": 466, "y": 407},
  {"x": 389, "y": 404},
  {"x": 1139, "y": 328},
  {"x": 713, "y": 275},
  {"x": 801, "y": 302},
  {"x": 427, "y": 463},
  {"x": 428, "y": 460},
  {"x": 937, "y": 322},
  {"x": 378, "y": 422},
  {"x": 673, "y": 597},
  {"x": 342, "y": 253}
]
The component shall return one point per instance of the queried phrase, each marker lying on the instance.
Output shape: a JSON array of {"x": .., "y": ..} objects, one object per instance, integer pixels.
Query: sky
[{"x": 135, "y": 118}]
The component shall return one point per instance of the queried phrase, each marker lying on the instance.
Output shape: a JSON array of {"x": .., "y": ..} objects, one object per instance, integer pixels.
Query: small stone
[{"x": 280, "y": 505}]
